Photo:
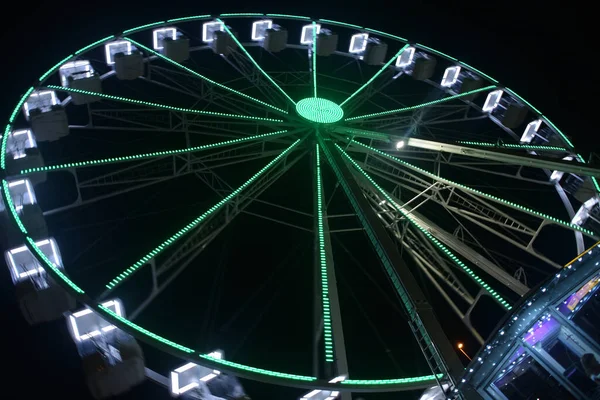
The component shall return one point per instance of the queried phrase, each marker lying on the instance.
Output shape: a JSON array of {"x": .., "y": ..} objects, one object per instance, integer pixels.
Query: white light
[
  {"x": 112, "y": 48},
  {"x": 158, "y": 35},
  {"x": 530, "y": 131},
  {"x": 75, "y": 68},
  {"x": 42, "y": 100},
  {"x": 23, "y": 266},
  {"x": 259, "y": 29},
  {"x": 450, "y": 76},
  {"x": 406, "y": 57},
  {"x": 209, "y": 29},
  {"x": 74, "y": 317},
  {"x": 307, "y": 33},
  {"x": 557, "y": 175},
  {"x": 400, "y": 144},
  {"x": 358, "y": 43},
  {"x": 492, "y": 100}
]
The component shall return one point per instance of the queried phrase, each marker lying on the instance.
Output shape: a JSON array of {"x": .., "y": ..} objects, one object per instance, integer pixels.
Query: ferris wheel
[{"x": 450, "y": 175}]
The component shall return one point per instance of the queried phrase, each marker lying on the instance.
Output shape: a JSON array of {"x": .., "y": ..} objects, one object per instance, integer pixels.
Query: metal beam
[
  {"x": 507, "y": 157},
  {"x": 436, "y": 347},
  {"x": 324, "y": 254}
]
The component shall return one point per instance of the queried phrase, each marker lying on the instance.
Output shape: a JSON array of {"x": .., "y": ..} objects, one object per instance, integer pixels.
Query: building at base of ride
[{"x": 548, "y": 347}]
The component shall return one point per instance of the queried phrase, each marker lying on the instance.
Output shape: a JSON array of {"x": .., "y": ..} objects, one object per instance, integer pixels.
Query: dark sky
[{"x": 540, "y": 50}]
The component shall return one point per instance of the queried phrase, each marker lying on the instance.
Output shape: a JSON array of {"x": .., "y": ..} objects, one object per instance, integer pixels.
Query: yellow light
[{"x": 460, "y": 345}]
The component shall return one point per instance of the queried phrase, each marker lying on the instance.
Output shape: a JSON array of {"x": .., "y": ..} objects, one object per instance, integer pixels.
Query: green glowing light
[
  {"x": 319, "y": 110},
  {"x": 327, "y": 333},
  {"x": 179, "y": 234}
]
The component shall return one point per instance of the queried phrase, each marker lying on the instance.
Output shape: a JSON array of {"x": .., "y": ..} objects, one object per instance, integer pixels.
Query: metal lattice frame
[{"x": 389, "y": 190}]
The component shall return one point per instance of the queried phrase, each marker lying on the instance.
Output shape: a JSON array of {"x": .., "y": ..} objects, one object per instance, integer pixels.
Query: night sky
[{"x": 248, "y": 292}]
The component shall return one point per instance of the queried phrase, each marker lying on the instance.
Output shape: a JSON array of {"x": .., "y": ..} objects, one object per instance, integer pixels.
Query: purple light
[{"x": 540, "y": 330}]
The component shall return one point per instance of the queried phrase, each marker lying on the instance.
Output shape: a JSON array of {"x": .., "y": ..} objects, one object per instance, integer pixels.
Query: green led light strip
[
  {"x": 375, "y": 31},
  {"x": 478, "y": 192},
  {"x": 514, "y": 146},
  {"x": 391, "y": 381},
  {"x": 287, "y": 16},
  {"x": 429, "y": 103},
  {"x": 243, "y": 49},
  {"x": 196, "y": 74},
  {"x": 142, "y": 27},
  {"x": 429, "y": 236},
  {"x": 467, "y": 66},
  {"x": 145, "y": 331},
  {"x": 161, "y": 106},
  {"x": 434, "y": 51},
  {"x": 164, "y": 245},
  {"x": 314, "y": 57},
  {"x": 139, "y": 331},
  {"x": 329, "y": 21},
  {"x": 195, "y": 17},
  {"x": 259, "y": 370},
  {"x": 327, "y": 333},
  {"x": 415, "y": 322},
  {"x": 134, "y": 157},
  {"x": 55, "y": 67},
  {"x": 385, "y": 66},
  {"x": 241, "y": 15}
]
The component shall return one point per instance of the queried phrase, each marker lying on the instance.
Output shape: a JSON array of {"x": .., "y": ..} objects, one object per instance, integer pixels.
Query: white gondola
[
  {"x": 47, "y": 117},
  {"x": 177, "y": 49},
  {"x": 275, "y": 39},
  {"x": 80, "y": 75},
  {"x": 40, "y": 298},
  {"x": 129, "y": 66},
  {"x": 113, "y": 361},
  {"x": 375, "y": 53},
  {"x": 31, "y": 216},
  {"x": 222, "y": 42},
  {"x": 22, "y": 153}
]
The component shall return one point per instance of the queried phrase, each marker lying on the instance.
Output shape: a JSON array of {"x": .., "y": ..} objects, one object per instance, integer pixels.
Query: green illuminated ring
[{"x": 182, "y": 351}]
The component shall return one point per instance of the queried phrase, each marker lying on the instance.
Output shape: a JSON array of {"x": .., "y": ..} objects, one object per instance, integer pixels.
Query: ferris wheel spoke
[
  {"x": 161, "y": 106},
  {"x": 479, "y": 212},
  {"x": 253, "y": 61},
  {"x": 506, "y": 157},
  {"x": 163, "y": 153},
  {"x": 202, "y": 93},
  {"x": 545, "y": 219},
  {"x": 166, "y": 269},
  {"x": 422, "y": 105},
  {"x": 438, "y": 351},
  {"x": 204, "y": 78},
  {"x": 372, "y": 79},
  {"x": 449, "y": 240},
  {"x": 148, "y": 120},
  {"x": 313, "y": 56},
  {"x": 157, "y": 170},
  {"x": 126, "y": 274},
  {"x": 402, "y": 231},
  {"x": 334, "y": 348},
  {"x": 431, "y": 272},
  {"x": 407, "y": 213}
]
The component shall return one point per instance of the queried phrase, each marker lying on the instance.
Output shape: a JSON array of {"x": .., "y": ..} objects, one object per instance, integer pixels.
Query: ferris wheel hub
[{"x": 322, "y": 111}]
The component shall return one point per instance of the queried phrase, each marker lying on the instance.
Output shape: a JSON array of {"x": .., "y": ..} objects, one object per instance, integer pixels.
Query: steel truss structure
[{"x": 398, "y": 162}]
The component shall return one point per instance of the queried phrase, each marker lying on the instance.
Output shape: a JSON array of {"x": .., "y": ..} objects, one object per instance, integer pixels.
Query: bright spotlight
[{"x": 400, "y": 145}]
